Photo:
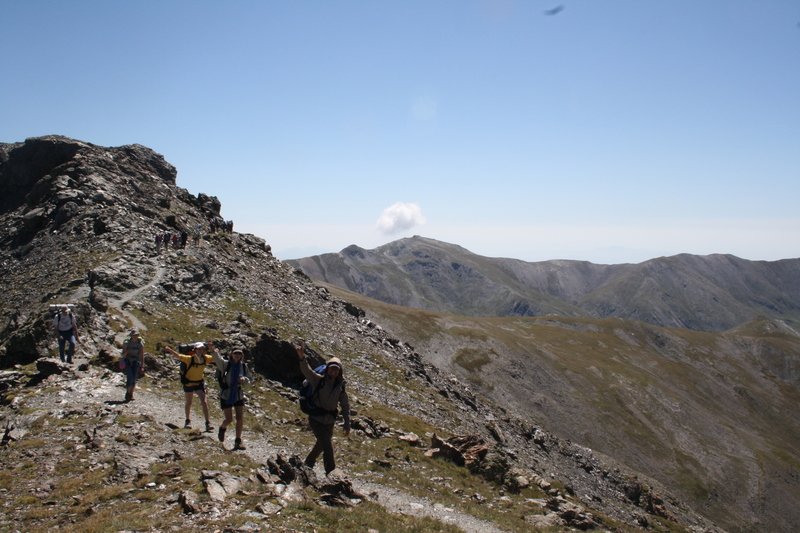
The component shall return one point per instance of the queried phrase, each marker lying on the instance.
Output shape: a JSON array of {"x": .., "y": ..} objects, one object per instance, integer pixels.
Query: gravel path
[{"x": 91, "y": 391}]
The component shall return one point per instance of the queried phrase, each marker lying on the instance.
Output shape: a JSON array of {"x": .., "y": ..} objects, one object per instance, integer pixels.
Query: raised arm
[
  {"x": 173, "y": 352},
  {"x": 308, "y": 372},
  {"x": 219, "y": 361}
]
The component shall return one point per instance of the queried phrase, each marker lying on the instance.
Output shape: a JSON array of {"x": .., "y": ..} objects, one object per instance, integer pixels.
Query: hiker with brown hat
[{"x": 328, "y": 393}]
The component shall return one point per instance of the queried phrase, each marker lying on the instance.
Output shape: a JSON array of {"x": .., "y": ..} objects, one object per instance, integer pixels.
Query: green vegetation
[
  {"x": 471, "y": 359},
  {"x": 95, "y": 499}
]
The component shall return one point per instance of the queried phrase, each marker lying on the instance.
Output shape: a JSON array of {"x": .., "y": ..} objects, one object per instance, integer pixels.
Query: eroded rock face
[{"x": 67, "y": 206}]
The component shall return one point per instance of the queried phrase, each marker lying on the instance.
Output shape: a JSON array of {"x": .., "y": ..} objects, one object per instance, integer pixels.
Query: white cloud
[{"x": 399, "y": 217}]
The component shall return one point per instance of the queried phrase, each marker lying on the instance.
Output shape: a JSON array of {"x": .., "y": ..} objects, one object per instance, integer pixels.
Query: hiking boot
[
  {"x": 238, "y": 445},
  {"x": 128, "y": 396},
  {"x": 187, "y": 424},
  {"x": 209, "y": 427},
  {"x": 221, "y": 434}
]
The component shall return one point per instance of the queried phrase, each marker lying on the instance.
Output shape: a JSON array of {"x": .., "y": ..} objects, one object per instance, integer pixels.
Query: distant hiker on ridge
[
  {"x": 193, "y": 379},
  {"x": 328, "y": 393}
]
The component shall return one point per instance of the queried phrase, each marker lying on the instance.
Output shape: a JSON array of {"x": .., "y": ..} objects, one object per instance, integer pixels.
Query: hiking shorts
[
  {"x": 225, "y": 405},
  {"x": 195, "y": 387}
]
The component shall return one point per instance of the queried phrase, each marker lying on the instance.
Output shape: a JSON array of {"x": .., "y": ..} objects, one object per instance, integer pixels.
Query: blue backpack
[
  {"x": 307, "y": 392},
  {"x": 221, "y": 375}
]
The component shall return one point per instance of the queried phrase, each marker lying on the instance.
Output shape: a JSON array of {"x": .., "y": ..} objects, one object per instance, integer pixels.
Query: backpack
[
  {"x": 220, "y": 375},
  {"x": 58, "y": 320},
  {"x": 183, "y": 368},
  {"x": 125, "y": 344},
  {"x": 185, "y": 349},
  {"x": 307, "y": 393}
]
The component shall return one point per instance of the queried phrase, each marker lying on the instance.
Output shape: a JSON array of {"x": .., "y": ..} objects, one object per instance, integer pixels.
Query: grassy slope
[
  {"x": 708, "y": 414},
  {"x": 89, "y": 500}
]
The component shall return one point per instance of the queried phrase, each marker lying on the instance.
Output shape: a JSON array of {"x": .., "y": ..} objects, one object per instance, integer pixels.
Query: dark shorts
[
  {"x": 224, "y": 405},
  {"x": 195, "y": 387}
]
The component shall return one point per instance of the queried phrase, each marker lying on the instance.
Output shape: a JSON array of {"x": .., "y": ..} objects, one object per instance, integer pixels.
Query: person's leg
[
  {"x": 128, "y": 382},
  {"x": 239, "y": 421},
  {"x": 71, "y": 349},
  {"x": 61, "y": 342},
  {"x": 227, "y": 411},
  {"x": 204, "y": 404},
  {"x": 239, "y": 425},
  {"x": 187, "y": 408},
  {"x": 327, "y": 449},
  {"x": 320, "y": 432},
  {"x": 131, "y": 374}
]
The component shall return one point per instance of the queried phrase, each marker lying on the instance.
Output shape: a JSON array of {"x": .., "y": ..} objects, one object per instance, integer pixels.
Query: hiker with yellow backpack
[{"x": 192, "y": 372}]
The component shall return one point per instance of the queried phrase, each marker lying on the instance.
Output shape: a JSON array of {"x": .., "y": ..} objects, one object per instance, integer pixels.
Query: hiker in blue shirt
[{"x": 232, "y": 373}]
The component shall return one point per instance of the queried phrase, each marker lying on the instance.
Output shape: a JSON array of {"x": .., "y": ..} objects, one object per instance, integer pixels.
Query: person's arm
[
  {"x": 307, "y": 371},
  {"x": 344, "y": 402},
  {"x": 216, "y": 356},
  {"x": 171, "y": 351},
  {"x": 183, "y": 358}
]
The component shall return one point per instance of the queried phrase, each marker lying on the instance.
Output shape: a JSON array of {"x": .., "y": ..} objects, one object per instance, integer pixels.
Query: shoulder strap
[{"x": 319, "y": 386}]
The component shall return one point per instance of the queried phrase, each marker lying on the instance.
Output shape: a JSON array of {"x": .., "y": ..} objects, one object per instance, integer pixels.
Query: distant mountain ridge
[{"x": 708, "y": 293}]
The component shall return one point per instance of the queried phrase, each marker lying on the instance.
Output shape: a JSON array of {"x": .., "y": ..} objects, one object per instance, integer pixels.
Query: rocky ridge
[{"x": 77, "y": 226}]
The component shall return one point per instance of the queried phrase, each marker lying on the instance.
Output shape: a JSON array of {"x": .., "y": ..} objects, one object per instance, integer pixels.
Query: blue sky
[{"x": 613, "y": 131}]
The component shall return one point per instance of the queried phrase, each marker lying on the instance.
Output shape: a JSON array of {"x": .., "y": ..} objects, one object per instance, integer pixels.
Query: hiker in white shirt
[{"x": 67, "y": 328}]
